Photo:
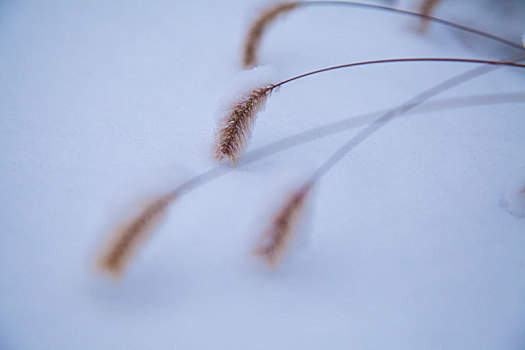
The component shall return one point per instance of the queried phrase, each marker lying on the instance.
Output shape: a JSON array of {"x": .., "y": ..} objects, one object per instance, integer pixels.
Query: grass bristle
[
  {"x": 256, "y": 31},
  {"x": 276, "y": 239},
  {"x": 235, "y": 129},
  {"x": 129, "y": 236}
]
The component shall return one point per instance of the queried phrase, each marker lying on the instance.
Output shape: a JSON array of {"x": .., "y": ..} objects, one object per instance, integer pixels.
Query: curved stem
[
  {"x": 399, "y": 60},
  {"x": 388, "y": 116},
  {"x": 416, "y": 14}
]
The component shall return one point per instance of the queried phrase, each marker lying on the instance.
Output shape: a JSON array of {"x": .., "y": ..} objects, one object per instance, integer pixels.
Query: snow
[
  {"x": 408, "y": 245},
  {"x": 514, "y": 198}
]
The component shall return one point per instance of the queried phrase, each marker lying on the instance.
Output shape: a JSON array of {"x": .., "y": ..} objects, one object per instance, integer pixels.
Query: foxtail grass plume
[
  {"x": 276, "y": 239},
  {"x": 256, "y": 31},
  {"x": 131, "y": 235},
  {"x": 236, "y": 127},
  {"x": 426, "y": 9}
]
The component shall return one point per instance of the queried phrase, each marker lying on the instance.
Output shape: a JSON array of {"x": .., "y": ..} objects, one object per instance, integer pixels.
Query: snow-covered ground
[{"x": 408, "y": 245}]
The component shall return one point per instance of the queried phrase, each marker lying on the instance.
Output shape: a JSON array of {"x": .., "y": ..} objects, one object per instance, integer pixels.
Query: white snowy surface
[{"x": 408, "y": 246}]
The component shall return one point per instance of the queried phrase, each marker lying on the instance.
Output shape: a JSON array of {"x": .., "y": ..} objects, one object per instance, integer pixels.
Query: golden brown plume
[
  {"x": 254, "y": 35},
  {"x": 236, "y": 127},
  {"x": 276, "y": 238},
  {"x": 129, "y": 236}
]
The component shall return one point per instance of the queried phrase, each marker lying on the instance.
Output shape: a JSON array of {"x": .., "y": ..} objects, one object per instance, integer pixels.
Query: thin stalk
[
  {"x": 388, "y": 116},
  {"x": 416, "y": 14},
  {"x": 399, "y": 60}
]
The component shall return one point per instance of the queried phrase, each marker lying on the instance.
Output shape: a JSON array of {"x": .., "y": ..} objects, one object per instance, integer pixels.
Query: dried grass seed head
[
  {"x": 236, "y": 127},
  {"x": 276, "y": 239},
  {"x": 258, "y": 27},
  {"x": 129, "y": 236}
]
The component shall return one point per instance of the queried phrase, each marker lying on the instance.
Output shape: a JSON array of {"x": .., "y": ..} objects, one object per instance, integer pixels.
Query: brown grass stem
[
  {"x": 405, "y": 107},
  {"x": 401, "y": 60},
  {"x": 254, "y": 35},
  {"x": 445, "y": 22}
]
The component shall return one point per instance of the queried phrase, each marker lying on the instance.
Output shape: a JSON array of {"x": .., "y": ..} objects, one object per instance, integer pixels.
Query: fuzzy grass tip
[
  {"x": 276, "y": 239},
  {"x": 236, "y": 127},
  {"x": 129, "y": 236},
  {"x": 252, "y": 42}
]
